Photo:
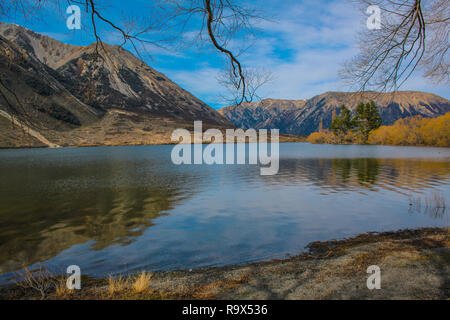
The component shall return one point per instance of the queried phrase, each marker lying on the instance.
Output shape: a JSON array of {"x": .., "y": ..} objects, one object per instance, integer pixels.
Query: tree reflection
[
  {"x": 367, "y": 170},
  {"x": 336, "y": 175}
]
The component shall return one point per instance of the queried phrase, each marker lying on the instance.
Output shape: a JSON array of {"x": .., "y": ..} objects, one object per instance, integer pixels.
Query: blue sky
[{"x": 303, "y": 44}]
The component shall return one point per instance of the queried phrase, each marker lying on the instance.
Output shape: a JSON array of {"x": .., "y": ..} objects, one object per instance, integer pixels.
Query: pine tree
[
  {"x": 367, "y": 119},
  {"x": 343, "y": 124}
]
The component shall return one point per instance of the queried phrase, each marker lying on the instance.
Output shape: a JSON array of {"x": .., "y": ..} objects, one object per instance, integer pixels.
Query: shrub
[
  {"x": 415, "y": 131},
  {"x": 324, "y": 137},
  {"x": 40, "y": 280},
  {"x": 328, "y": 137}
]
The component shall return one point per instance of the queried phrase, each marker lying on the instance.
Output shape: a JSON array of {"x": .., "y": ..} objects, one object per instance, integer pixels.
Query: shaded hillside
[
  {"x": 267, "y": 114},
  {"x": 56, "y": 88},
  {"x": 304, "y": 117}
]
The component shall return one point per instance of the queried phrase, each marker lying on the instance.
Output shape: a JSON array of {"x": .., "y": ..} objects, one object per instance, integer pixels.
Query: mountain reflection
[
  {"x": 46, "y": 210},
  {"x": 51, "y": 201}
]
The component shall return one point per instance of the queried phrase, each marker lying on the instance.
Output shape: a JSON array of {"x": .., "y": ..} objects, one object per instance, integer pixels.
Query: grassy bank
[
  {"x": 166, "y": 140},
  {"x": 414, "y": 265},
  {"x": 413, "y": 131}
]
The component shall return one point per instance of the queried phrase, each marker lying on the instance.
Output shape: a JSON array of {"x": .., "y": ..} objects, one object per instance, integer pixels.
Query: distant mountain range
[
  {"x": 55, "y": 94},
  {"x": 73, "y": 97},
  {"x": 302, "y": 117}
]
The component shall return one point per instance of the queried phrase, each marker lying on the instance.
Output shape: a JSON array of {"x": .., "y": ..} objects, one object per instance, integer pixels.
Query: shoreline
[
  {"x": 206, "y": 143},
  {"x": 415, "y": 264},
  {"x": 381, "y": 145},
  {"x": 283, "y": 139}
]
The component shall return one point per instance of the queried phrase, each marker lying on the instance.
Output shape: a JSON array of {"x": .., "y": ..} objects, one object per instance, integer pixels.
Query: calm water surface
[{"x": 125, "y": 209}]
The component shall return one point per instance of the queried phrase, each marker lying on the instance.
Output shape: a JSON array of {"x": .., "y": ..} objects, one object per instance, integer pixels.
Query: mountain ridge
[
  {"x": 64, "y": 87},
  {"x": 303, "y": 117}
]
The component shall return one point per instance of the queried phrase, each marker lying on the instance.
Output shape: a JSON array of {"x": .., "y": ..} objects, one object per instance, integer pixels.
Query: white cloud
[{"x": 304, "y": 49}]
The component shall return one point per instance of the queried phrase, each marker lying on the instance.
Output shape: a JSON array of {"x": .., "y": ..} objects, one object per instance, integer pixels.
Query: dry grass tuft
[
  {"x": 142, "y": 282},
  {"x": 61, "y": 289},
  {"x": 117, "y": 285}
]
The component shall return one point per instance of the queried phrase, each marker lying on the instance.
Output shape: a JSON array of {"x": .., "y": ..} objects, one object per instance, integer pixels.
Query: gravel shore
[{"x": 415, "y": 264}]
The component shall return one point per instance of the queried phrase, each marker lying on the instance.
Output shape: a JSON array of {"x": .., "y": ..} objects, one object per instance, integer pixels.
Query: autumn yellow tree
[{"x": 415, "y": 131}]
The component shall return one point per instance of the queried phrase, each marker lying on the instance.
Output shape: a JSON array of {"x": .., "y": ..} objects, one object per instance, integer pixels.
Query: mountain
[
  {"x": 267, "y": 114},
  {"x": 302, "y": 117},
  {"x": 83, "y": 95}
]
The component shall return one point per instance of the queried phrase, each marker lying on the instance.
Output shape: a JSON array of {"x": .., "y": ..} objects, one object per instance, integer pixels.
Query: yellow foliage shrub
[
  {"x": 328, "y": 137},
  {"x": 415, "y": 131},
  {"x": 324, "y": 137}
]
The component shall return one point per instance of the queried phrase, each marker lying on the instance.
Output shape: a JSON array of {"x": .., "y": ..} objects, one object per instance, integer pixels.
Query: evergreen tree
[
  {"x": 343, "y": 124},
  {"x": 367, "y": 119}
]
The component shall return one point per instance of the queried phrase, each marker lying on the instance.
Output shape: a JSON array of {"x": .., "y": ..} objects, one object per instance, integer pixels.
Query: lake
[{"x": 116, "y": 210}]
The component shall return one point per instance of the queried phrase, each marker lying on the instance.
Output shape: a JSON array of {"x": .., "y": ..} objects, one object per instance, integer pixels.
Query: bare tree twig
[{"x": 413, "y": 35}]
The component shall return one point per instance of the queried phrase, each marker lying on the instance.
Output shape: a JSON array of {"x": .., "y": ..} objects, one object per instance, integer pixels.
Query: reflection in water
[
  {"x": 45, "y": 210},
  {"x": 367, "y": 170},
  {"x": 105, "y": 216},
  {"x": 131, "y": 206},
  {"x": 338, "y": 175}
]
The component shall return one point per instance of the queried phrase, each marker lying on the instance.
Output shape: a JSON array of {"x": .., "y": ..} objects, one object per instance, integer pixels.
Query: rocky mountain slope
[
  {"x": 302, "y": 117},
  {"x": 75, "y": 95},
  {"x": 267, "y": 114}
]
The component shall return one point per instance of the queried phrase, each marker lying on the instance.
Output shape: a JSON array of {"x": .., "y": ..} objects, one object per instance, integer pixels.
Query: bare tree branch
[
  {"x": 220, "y": 20},
  {"x": 413, "y": 35},
  {"x": 254, "y": 79}
]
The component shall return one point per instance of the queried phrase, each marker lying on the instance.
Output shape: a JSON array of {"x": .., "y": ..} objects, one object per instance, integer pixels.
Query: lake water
[{"x": 124, "y": 209}]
